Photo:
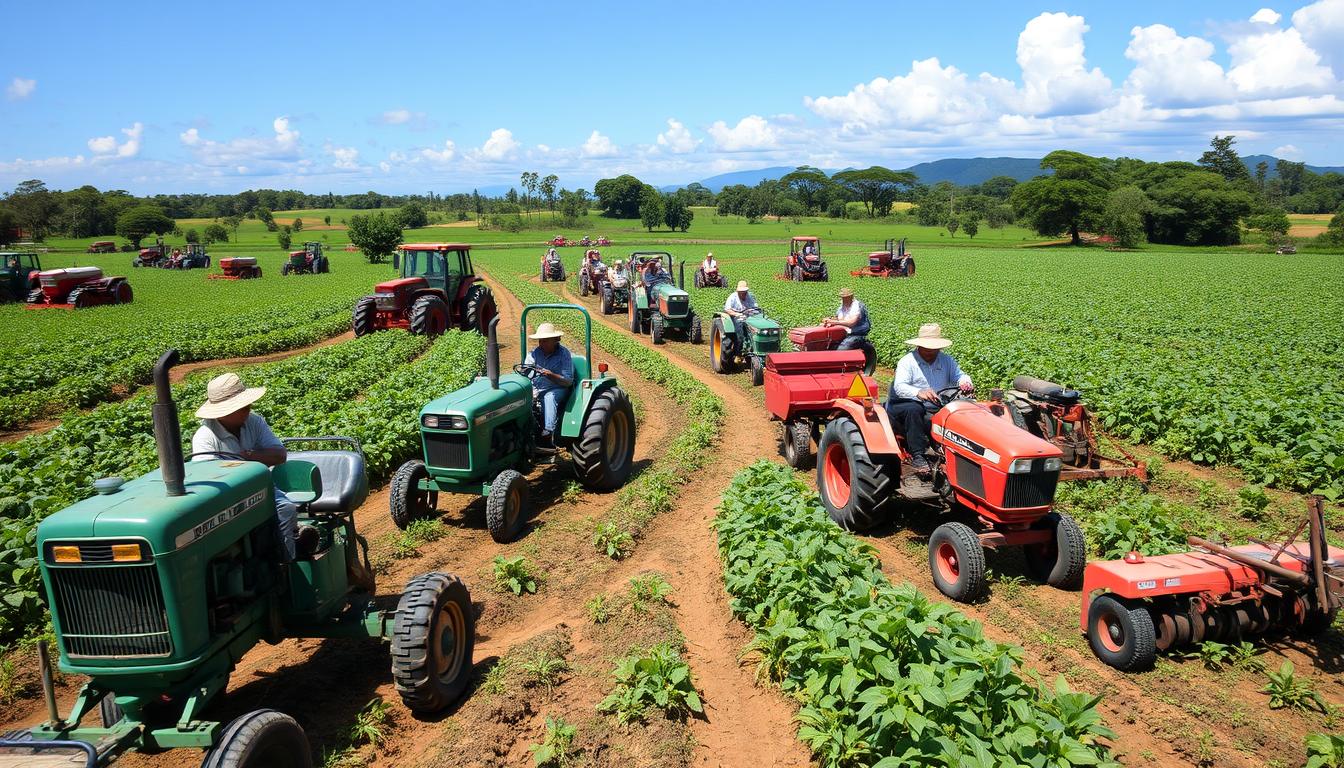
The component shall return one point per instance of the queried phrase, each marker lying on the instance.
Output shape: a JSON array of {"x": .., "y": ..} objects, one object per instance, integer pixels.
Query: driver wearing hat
[
  {"x": 228, "y": 426},
  {"x": 554, "y": 369},
  {"x": 921, "y": 375}
]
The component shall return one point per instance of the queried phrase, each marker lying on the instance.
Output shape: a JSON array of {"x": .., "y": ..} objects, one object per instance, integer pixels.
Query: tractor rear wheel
[
  {"x": 122, "y": 294},
  {"x": 407, "y": 502},
  {"x": 957, "y": 560},
  {"x": 606, "y": 300},
  {"x": 757, "y": 370},
  {"x": 634, "y": 316},
  {"x": 656, "y": 328},
  {"x": 432, "y": 639},
  {"x": 1060, "y": 561},
  {"x": 324, "y": 266},
  {"x": 869, "y": 356},
  {"x": 825, "y": 275},
  {"x": 604, "y": 453},
  {"x": 697, "y": 331},
  {"x": 798, "y": 274},
  {"x": 285, "y": 269},
  {"x": 543, "y": 273},
  {"x": 429, "y": 316},
  {"x": 856, "y": 489},
  {"x": 1121, "y": 636},
  {"x": 718, "y": 360},
  {"x": 260, "y": 738},
  {"x": 797, "y": 439},
  {"x": 366, "y": 312},
  {"x": 479, "y": 309},
  {"x": 506, "y": 506},
  {"x": 699, "y": 281}
]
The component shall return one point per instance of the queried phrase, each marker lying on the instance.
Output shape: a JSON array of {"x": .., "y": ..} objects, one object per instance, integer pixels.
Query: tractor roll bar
[
  {"x": 522, "y": 329},
  {"x": 492, "y": 353},
  {"x": 167, "y": 431}
]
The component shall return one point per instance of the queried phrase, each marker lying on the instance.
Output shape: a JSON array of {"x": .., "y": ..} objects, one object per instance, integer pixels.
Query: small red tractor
[
  {"x": 592, "y": 273},
  {"x": 895, "y": 261},
  {"x": 1139, "y": 606},
  {"x": 153, "y": 256},
  {"x": 102, "y": 246},
  {"x": 437, "y": 290},
  {"x": 1058, "y": 415},
  {"x": 559, "y": 241},
  {"x": 603, "y": 241},
  {"x": 238, "y": 268},
  {"x": 78, "y": 288},
  {"x": 309, "y": 261},
  {"x": 804, "y": 262},
  {"x": 586, "y": 242},
  {"x": 827, "y": 338},
  {"x": 711, "y": 277},
  {"x": 997, "y": 477},
  {"x": 552, "y": 267}
]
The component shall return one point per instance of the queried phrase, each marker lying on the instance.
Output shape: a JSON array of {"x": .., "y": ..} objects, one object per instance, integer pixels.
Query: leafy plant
[
  {"x": 495, "y": 681},
  {"x": 368, "y": 727},
  {"x": 613, "y": 541},
  {"x": 1325, "y": 750},
  {"x": 647, "y": 589},
  {"x": 658, "y": 677},
  {"x": 1252, "y": 502},
  {"x": 597, "y": 609},
  {"x": 555, "y": 750},
  {"x": 1285, "y": 689},
  {"x": 416, "y": 535},
  {"x": 514, "y": 574},
  {"x": 542, "y": 669},
  {"x": 572, "y": 493}
]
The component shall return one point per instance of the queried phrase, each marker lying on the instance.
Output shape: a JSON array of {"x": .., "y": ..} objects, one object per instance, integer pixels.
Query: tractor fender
[
  {"x": 725, "y": 323},
  {"x": 576, "y": 413},
  {"x": 878, "y": 436},
  {"x": 640, "y": 297}
]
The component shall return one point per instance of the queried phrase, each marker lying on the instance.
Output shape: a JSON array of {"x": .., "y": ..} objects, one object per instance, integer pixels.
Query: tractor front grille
[
  {"x": 110, "y": 611},
  {"x": 447, "y": 450},
  {"x": 677, "y": 306},
  {"x": 1033, "y": 489}
]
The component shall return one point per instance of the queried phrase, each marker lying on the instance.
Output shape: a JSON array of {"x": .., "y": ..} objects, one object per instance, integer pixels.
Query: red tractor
[
  {"x": 238, "y": 268},
  {"x": 153, "y": 256},
  {"x": 592, "y": 273},
  {"x": 437, "y": 290},
  {"x": 998, "y": 478},
  {"x": 1139, "y": 606},
  {"x": 78, "y": 288},
  {"x": 804, "y": 261},
  {"x": 559, "y": 241},
  {"x": 552, "y": 267},
  {"x": 708, "y": 274},
  {"x": 586, "y": 242},
  {"x": 603, "y": 241},
  {"x": 102, "y": 246},
  {"x": 895, "y": 261}
]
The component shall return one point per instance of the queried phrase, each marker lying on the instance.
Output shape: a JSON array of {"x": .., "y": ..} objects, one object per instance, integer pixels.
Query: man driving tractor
[
  {"x": 738, "y": 304},
  {"x": 922, "y": 376},
  {"x": 555, "y": 369},
  {"x": 230, "y": 428},
  {"x": 853, "y": 315},
  {"x": 653, "y": 275},
  {"x": 710, "y": 265}
]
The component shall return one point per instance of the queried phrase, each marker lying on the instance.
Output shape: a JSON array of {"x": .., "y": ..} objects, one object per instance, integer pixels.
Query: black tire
[
  {"x": 286, "y": 268},
  {"x": 432, "y": 640},
  {"x": 1120, "y": 635},
  {"x": 656, "y": 328},
  {"x": 697, "y": 330},
  {"x": 583, "y": 284},
  {"x": 1060, "y": 562},
  {"x": 719, "y": 361},
  {"x": 122, "y": 294},
  {"x": 797, "y": 440},
  {"x": 366, "y": 312},
  {"x": 478, "y": 309},
  {"x": 326, "y": 265},
  {"x": 109, "y": 711},
  {"x": 604, "y": 453},
  {"x": 562, "y": 273},
  {"x": 429, "y": 316},
  {"x": 757, "y": 370},
  {"x": 262, "y": 738},
  {"x": 634, "y": 316},
  {"x": 957, "y": 561},
  {"x": 407, "y": 503},
  {"x": 506, "y": 506},
  {"x": 35, "y": 296},
  {"x": 825, "y": 275},
  {"x": 543, "y": 273},
  {"x": 1317, "y": 623},
  {"x": 857, "y": 490},
  {"x": 76, "y": 299},
  {"x": 798, "y": 274},
  {"x": 606, "y": 300},
  {"x": 869, "y": 357}
]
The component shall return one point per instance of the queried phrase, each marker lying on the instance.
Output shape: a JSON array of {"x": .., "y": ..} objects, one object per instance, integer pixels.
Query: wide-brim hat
[
  {"x": 226, "y": 394},
  {"x": 930, "y": 337},
  {"x": 546, "y": 331},
  {"x": 846, "y": 293},
  {"x": 742, "y": 285}
]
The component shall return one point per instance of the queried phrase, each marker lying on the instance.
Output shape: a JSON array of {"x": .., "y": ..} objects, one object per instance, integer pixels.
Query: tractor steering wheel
[
  {"x": 526, "y": 369},
  {"x": 949, "y": 394},
  {"x": 218, "y": 454}
]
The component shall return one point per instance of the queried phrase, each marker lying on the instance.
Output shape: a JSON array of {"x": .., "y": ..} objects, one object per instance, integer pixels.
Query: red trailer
[
  {"x": 78, "y": 288},
  {"x": 819, "y": 338},
  {"x": 238, "y": 268}
]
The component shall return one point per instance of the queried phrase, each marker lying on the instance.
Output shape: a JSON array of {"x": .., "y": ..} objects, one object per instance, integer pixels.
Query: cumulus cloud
[
  {"x": 598, "y": 145},
  {"x": 440, "y": 156},
  {"x": 345, "y": 158},
  {"x": 1277, "y": 63},
  {"x": 1266, "y": 16},
  {"x": 1174, "y": 71},
  {"x": 1321, "y": 25},
  {"x": 107, "y": 146},
  {"x": 254, "y": 153},
  {"x": 751, "y": 132},
  {"x": 677, "y": 139},
  {"x": 500, "y": 146},
  {"x": 20, "y": 88},
  {"x": 1287, "y": 151},
  {"x": 1055, "y": 77}
]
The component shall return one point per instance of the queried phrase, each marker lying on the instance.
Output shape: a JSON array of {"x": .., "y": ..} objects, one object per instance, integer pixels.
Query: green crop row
[{"x": 885, "y": 676}]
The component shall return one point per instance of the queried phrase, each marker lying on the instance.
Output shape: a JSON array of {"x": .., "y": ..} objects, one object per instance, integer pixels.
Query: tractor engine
[
  {"x": 673, "y": 302},
  {"x": 994, "y": 468},
  {"x": 394, "y": 296},
  {"x": 477, "y": 425}
]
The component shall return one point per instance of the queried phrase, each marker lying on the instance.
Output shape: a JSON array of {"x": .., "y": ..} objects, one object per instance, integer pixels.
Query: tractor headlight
[
  {"x": 385, "y": 300},
  {"x": 1053, "y": 464},
  {"x": 451, "y": 421},
  {"x": 1019, "y": 467},
  {"x": 430, "y": 420}
]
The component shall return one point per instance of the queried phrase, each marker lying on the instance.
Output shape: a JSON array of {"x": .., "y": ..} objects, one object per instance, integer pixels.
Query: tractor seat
[
  {"x": 299, "y": 480},
  {"x": 344, "y": 484},
  {"x": 1040, "y": 389}
]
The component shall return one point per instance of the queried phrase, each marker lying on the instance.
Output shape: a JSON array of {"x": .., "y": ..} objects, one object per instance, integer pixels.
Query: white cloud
[
  {"x": 677, "y": 139},
  {"x": 930, "y": 94},
  {"x": 284, "y": 136},
  {"x": 406, "y": 117},
  {"x": 1266, "y": 16},
  {"x": 190, "y": 137},
  {"x": 500, "y": 146},
  {"x": 1174, "y": 71},
  {"x": 346, "y": 158},
  {"x": 598, "y": 145},
  {"x": 1055, "y": 77},
  {"x": 751, "y": 132},
  {"x": 107, "y": 146},
  {"x": 274, "y": 153},
  {"x": 1287, "y": 152},
  {"x": 20, "y": 88},
  {"x": 396, "y": 117},
  {"x": 440, "y": 156},
  {"x": 1321, "y": 25},
  {"x": 385, "y": 167},
  {"x": 1277, "y": 63},
  {"x": 21, "y": 166}
]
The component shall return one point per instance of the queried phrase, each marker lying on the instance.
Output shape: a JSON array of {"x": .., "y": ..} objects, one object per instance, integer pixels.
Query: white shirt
[
  {"x": 736, "y": 304},
  {"x": 256, "y": 435},
  {"x": 913, "y": 375},
  {"x": 709, "y": 265}
]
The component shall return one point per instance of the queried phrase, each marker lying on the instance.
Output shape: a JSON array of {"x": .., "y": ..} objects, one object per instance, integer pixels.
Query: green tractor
[
  {"x": 482, "y": 439},
  {"x": 665, "y": 305},
  {"x": 309, "y": 261},
  {"x": 158, "y": 586},
  {"x": 19, "y": 276},
  {"x": 726, "y": 350}
]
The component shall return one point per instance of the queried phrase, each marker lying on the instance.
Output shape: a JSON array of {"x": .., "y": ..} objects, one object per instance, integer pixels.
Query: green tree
[
  {"x": 1222, "y": 158},
  {"x": 283, "y": 238},
  {"x": 1272, "y": 223},
  {"x": 413, "y": 215},
  {"x": 548, "y": 189},
  {"x": 573, "y": 206},
  {"x": 141, "y": 221},
  {"x": 952, "y": 224},
  {"x": 810, "y": 184},
  {"x": 678, "y": 214},
  {"x": 999, "y": 216},
  {"x": 876, "y": 187},
  {"x": 787, "y": 208},
  {"x": 731, "y": 200},
  {"x": 1334, "y": 231},
  {"x": 620, "y": 197},
  {"x": 1070, "y": 200},
  {"x": 326, "y": 220},
  {"x": 36, "y": 208},
  {"x": 970, "y": 224},
  {"x": 1192, "y": 206},
  {"x": 376, "y": 234},
  {"x": 1000, "y": 187},
  {"x": 9, "y": 223},
  {"x": 297, "y": 226},
  {"x": 215, "y": 233},
  {"x": 192, "y": 236},
  {"x": 265, "y": 216},
  {"x": 1261, "y": 171},
  {"x": 233, "y": 222},
  {"x": 1123, "y": 217},
  {"x": 651, "y": 208}
]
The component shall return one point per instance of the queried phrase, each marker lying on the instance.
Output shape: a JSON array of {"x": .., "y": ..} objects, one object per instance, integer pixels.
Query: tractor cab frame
[
  {"x": 802, "y": 265},
  {"x": 19, "y": 275},
  {"x": 437, "y": 290},
  {"x": 893, "y": 261}
]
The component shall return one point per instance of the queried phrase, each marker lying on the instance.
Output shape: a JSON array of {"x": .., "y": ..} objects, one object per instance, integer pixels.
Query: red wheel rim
[
  {"x": 1110, "y": 633},
  {"x": 836, "y": 475},
  {"x": 949, "y": 569}
]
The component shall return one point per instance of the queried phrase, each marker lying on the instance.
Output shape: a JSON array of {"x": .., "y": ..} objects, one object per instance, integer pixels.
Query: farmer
[
  {"x": 853, "y": 315},
  {"x": 710, "y": 265},
  {"x": 228, "y": 426},
  {"x": 920, "y": 376},
  {"x": 554, "y": 376},
  {"x": 738, "y": 305},
  {"x": 809, "y": 250},
  {"x": 653, "y": 275}
]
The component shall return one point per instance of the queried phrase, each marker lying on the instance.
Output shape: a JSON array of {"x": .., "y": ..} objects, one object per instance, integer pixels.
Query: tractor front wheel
[
  {"x": 583, "y": 285},
  {"x": 479, "y": 309},
  {"x": 697, "y": 332},
  {"x": 429, "y": 316},
  {"x": 408, "y": 502},
  {"x": 432, "y": 639},
  {"x": 606, "y": 300},
  {"x": 719, "y": 361},
  {"x": 506, "y": 506},
  {"x": 1121, "y": 636},
  {"x": 123, "y": 294},
  {"x": 757, "y": 370},
  {"x": 366, "y": 312},
  {"x": 656, "y": 328},
  {"x": 957, "y": 560},
  {"x": 797, "y": 439},
  {"x": 261, "y": 738},
  {"x": 604, "y": 453},
  {"x": 798, "y": 274},
  {"x": 285, "y": 269},
  {"x": 1060, "y": 561},
  {"x": 856, "y": 489}
]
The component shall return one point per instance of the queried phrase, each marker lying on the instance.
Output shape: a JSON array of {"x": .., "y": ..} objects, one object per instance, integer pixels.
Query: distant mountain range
[{"x": 1253, "y": 160}]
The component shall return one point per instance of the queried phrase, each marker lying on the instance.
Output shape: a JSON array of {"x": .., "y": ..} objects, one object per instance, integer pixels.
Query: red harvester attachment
[
  {"x": 819, "y": 338},
  {"x": 78, "y": 288},
  {"x": 238, "y": 268}
]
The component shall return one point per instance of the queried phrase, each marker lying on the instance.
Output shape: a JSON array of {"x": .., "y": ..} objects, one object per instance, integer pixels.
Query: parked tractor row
[{"x": 560, "y": 241}]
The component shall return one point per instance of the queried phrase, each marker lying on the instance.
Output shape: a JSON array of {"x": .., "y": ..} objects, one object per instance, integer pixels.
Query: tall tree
[
  {"x": 810, "y": 184},
  {"x": 1222, "y": 159},
  {"x": 677, "y": 213},
  {"x": 1261, "y": 171},
  {"x": 1070, "y": 200},
  {"x": 36, "y": 208},
  {"x": 1123, "y": 217},
  {"x": 875, "y": 187},
  {"x": 137, "y": 223},
  {"x": 376, "y": 234},
  {"x": 620, "y": 197},
  {"x": 650, "y": 208},
  {"x": 548, "y": 187}
]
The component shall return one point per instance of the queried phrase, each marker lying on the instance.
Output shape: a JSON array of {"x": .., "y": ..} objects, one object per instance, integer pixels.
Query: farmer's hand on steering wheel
[
  {"x": 930, "y": 395},
  {"x": 967, "y": 387},
  {"x": 948, "y": 394},
  {"x": 525, "y": 369}
]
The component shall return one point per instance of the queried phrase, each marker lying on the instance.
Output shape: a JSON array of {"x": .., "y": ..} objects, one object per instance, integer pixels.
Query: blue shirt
[
  {"x": 914, "y": 375},
  {"x": 558, "y": 362},
  {"x": 856, "y": 310}
]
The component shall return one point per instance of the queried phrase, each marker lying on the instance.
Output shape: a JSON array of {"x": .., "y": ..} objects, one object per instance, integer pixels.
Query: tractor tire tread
[
  {"x": 875, "y": 483},
  {"x": 478, "y": 308},
  {"x": 366, "y": 311},
  {"x": 1137, "y": 624},
  {"x": 421, "y": 310},
  {"x": 399, "y": 502},
  {"x": 411, "y": 633},
  {"x": 589, "y": 450},
  {"x": 970, "y": 584},
  {"x": 241, "y": 744},
  {"x": 496, "y": 507}
]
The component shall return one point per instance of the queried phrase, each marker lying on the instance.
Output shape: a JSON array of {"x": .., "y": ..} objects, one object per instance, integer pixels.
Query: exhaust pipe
[
  {"x": 167, "y": 431},
  {"x": 492, "y": 354},
  {"x": 681, "y": 282}
]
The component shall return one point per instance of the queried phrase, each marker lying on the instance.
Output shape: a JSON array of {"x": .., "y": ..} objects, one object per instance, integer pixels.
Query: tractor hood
[
  {"x": 973, "y": 427},
  {"x": 401, "y": 283},
  {"x": 672, "y": 301},
  {"x": 760, "y": 323},
  {"x": 478, "y": 402}
]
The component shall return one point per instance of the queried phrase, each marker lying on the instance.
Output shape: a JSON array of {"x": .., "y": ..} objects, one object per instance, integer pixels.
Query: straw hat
[
  {"x": 930, "y": 337},
  {"x": 546, "y": 331},
  {"x": 226, "y": 394},
  {"x": 846, "y": 293},
  {"x": 742, "y": 285}
]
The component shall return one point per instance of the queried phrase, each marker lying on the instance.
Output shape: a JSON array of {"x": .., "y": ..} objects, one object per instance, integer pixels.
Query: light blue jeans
[
  {"x": 288, "y": 514},
  {"x": 552, "y": 400}
]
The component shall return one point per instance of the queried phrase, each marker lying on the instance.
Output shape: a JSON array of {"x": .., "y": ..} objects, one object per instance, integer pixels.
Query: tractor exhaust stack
[
  {"x": 681, "y": 281},
  {"x": 492, "y": 354},
  {"x": 167, "y": 431}
]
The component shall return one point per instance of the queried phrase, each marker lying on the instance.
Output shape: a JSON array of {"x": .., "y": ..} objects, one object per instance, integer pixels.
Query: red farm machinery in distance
[
  {"x": 437, "y": 290},
  {"x": 804, "y": 262},
  {"x": 894, "y": 261},
  {"x": 237, "y": 268},
  {"x": 997, "y": 477},
  {"x": 78, "y": 288},
  {"x": 102, "y": 246},
  {"x": 1139, "y": 606}
]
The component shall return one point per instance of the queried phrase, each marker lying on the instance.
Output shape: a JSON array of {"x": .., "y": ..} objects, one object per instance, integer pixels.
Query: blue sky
[{"x": 445, "y": 96}]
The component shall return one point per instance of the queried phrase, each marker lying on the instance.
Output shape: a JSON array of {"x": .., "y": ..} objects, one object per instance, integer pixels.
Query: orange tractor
[
  {"x": 437, "y": 290},
  {"x": 1000, "y": 480},
  {"x": 238, "y": 268},
  {"x": 895, "y": 261},
  {"x": 804, "y": 262},
  {"x": 78, "y": 288}
]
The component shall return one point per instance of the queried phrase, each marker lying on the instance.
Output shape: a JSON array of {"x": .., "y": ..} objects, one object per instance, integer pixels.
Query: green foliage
[
  {"x": 678, "y": 214},
  {"x": 875, "y": 187},
  {"x": 1325, "y": 750},
  {"x": 413, "y": 216},
  {"x": 297, "y": 225},
  {"x": 657, "y": 677},
  {"x": 1252, "y": 502},
  {"x": 1244, "y": 655},
  {"x": 648, "y": 589},
  {"x": 650, "y": 208},
  {"x": 1069, "y": 200},
  {"x": 620, "y": 197},
  {"x": 377, "y": 235},
  {"x": 1222, "y": 158},
  {"x": 284, "y": 238},
  {"x": 1122, "y": 218},
  {"x": 417, "y": 534},
  {"x": 542, "y": 669},
  {"x": 141, "y": 221},
  {"x": 597, "y": 609},
  {"x": 368, "y": 727},
  {"x": 970, "y": 223},
  {"x": 556, "y": 749},
  {"x": 216, "y": 233},
  {"x": 514, "y": 574},
  {"x": 1285, "y": 689},
  {"x": 613, "y": 541}
]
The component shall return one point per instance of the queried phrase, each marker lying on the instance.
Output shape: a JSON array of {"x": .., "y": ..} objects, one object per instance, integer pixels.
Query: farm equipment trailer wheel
[
  {"x": 263, "y": 738},
  {"x": 432, "y": 640}
]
